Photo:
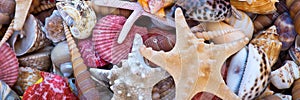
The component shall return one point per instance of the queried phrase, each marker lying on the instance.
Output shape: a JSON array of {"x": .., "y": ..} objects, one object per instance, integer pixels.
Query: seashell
[
  {"x": 52, "y": 87},
  {"x": 7, "y": 93},
  {"x": 278, "y": 96},
  {"x": 89, "y": 55},
  {"x": 296, "y": 90},
  {"x": 156, "y": 7},
  {"x": 73, "y": 85},
  {"x": 9, "y": 65},
  {"x": 7, "y": 6},
  {"x": 164, "y": 90},
  {"x": 27, "y": 77},
  {"x": 286, "y": 30},
  {"x": 159, "y": 39},
  {"x": 284, "y": 77},
  {"x": 295, "y": 14},
  {"x": 289, "y": 3},
  {"x": 258, "y": 6},
  {"x": 40, "y": 60},
  {"x": 134, "y": 79},
  {"x": 43, "y": 15},
  {"x": 66, "y": 69},
  {"x": 248, "y": 1},
  {"x": 281, "y": 7},
  {"x": 103, "y": 11},
  {"x": 263, "y": 21},
  {"x": 33, "y": 40},
  {"x": 256, "y": 75},
  {"x": 244, "y": 24},
  {"x": 86, "y": 86},
  {"x": 22, "y": 9},
  {"x": 79, "y": 16},
  {"x": 60, "y": 53},
  {"x": 41, "y": 8},
  {"x": 105, "y": 36},
  {"x": 8, "y": 33},
  {"x": 269, "y": 42},
  {"x": 54, "y": 28}
]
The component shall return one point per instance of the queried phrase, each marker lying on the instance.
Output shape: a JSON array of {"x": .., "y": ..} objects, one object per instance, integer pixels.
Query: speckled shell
[
  {"x": 164, "y": 90},
  {"x": 7, "y": 93},
  {"x": 296, "y": 90},
  {"x": 105, "y": 36},
  {"x": 284, "y": 77},
  {"x": 269, "y": 42},
  {"x": 286, "y": 30},
  {"x": 33, "y": 40},
  {"x": 258, "y": 6},
  {"x": 159, "y": 39},
  {"x": 60, "y": 53},
  {"x": 54, "y": 28},
  {"x": 9, "y": 65},
  {"x": 27, "y": 77},
  {"x": 79, "y": 17}
]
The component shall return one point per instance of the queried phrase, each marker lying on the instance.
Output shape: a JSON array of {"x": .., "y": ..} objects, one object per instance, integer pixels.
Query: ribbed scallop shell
[
  {"x": 7, "y": 93},
  {"x": 105, "y": 36},
  {"x": 9, "y": 65},
  {"x": 54, "y": 28},
  {"x": 40, "y": 60},
  {"x": 27, "y": 77},
  {"x": 159, "y": 40},
  {"x": 258, "y": 6}
]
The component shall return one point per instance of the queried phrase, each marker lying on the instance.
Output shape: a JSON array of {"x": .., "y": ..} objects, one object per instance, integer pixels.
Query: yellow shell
[{"x": 258, "y": 6}]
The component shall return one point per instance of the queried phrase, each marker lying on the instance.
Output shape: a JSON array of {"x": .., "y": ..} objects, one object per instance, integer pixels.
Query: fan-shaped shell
[
  {"x": 9, "y": 65},
  {"x": 105, "y": 36},
  {"x": 54, "y": 28},
  {"x": 7, "y": 93},
  {"x": 27, "y": 77}
]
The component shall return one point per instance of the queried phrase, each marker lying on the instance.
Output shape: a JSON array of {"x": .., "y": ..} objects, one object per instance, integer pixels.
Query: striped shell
[
  {"x": 295, "y": 14},
  {"x": 7, "y": 93},
  {"x": 53, "y": 87},
  {"x": 27, "y": 77},
  {"x": 9, "y": 65},
  {"x": 7, "y": 6},
  {"x": 159, "y": 39},
  {"x": 105, "y": 36},
  {"x": 54, "y": 28}
]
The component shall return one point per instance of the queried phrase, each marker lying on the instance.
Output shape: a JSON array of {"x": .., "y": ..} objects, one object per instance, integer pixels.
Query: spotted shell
[
  {"x": 105, "y": 36},
  {"x": 54, "y": 28},
  {"x": 258, "y": 6},
  {"x": 51, "y": 88},
  {"x": 7, "y": 93},
  {"x": 9, "y": 65},
  {"x": 27, "y": 77},
  {"x": 79, "y": 17}
]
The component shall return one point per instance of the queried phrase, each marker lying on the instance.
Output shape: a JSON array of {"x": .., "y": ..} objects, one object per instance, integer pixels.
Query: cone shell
[
  {"x": 89, "y": 55},
  {"x": 269, "y": 42},
  {"x": 60, "y": 53},
  {"x": 159, "y": 40},
  {"x": 284, "y": 77},
  {"x": 296, "y": 90},
  {"x": 9, "y": 65},
  {"x": 54, "y": 27},
  {"x": 105, "y": 36},
  {"x": 27, "y": 77},
  {"x": 33, "y": 40},
  {"x": 53, "y": 87},
  {"x": 7, "y": 93},
  {"x": 258, "y": 6},
  {"x": 40, "y": 60},
  {"x": 286, "y": 30}
]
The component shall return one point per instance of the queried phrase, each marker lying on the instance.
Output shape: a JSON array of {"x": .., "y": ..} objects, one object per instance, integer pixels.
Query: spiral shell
[
  {"x": 278, "y": 96},
  {"x": 258, "y": 6},
  {"x": 27, "y": 77}
]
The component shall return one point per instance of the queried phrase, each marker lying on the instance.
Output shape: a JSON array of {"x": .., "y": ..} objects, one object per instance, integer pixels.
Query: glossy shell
[
  {"x": 60, "y": 53},
  {"x": 7, "y": 93},
  {"x": 9, "y": 65},
  {"x": 263, "y": 21},
  {"x": 27, "y": 77},
  {"x": 54, "y": 28},
  {"x": 295, "y": 14},
  {"x": 258, "y": 6},
  {"x": 164, "y": 90}
]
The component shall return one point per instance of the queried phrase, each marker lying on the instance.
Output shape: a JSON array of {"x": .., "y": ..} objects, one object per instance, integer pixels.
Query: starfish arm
[
  {"x": 223, "y": 92},
  {"x": 166, "y": 21},
  {"x": 117, "y": 4},
  {"x": 227, "y": 49},
  {"x": 212, "y": 34}
]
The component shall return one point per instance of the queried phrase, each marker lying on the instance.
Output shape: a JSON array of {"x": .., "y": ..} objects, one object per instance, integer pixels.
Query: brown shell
[
  {"x": 296, "y": 90},
  {"x": 159, "y": 39},
  {"x": 263, "y": 21},
  {"x": 43, "y": 8},
  {"x": 295, "y": 14},
  {"x": 258, "y": 6},
  {"x": 27, "y": 77},
  {"x": 54, "y": 28},
  {"x": 7, "y": 6},
  {"x": 7, "y": 93}
]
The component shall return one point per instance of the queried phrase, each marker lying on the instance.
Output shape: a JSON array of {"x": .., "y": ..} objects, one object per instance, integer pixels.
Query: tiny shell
[
  {"x": 27, "y": 77},
  {"x": 258, "y": 6},
  {"x": 7, "y": 93},
  {"x": 9, "y": 65},
  {"x": 105, "y": 36},
  {"x": 53, "y": 87},
  {"x": 60, "y": 54},
  {"x": 54, "y": 28}
]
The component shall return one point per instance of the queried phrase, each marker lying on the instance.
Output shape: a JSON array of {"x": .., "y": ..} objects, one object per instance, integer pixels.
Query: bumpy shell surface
[
  {"x": 105, "y": 36},
  {"x": 60, "y": 53},
  {"x": 79, "y": 17},
  {"x": 7, "y": 93},
  {"x": 27, "y": 77},
  {"x": 54, "y": 27},
  {"x": 286, "y": 30},
  {"x": 9, "y": 65},
  {"x": 284, "y": 77},
  {"x": 258, "y": 6},
  {"x": 159, "y": 40},
  {"x": 52, "y": 87},
  {"x": 296, "y": 90},
  {"x": 40, "y": 60}
]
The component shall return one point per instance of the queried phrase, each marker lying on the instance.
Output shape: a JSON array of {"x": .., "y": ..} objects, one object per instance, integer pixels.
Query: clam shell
[
  {"x": 54, "y": 27},
  {"x": 296, "y": 90},
  {"x": 7, "y": 93},
  {"x": 159, "y": 40},
  {"x": 60, "y": 53},
  {"x": 284, "y": 77},
  {"x": 105, "y": 36},
  {"x": 27, "y": 77},
  {"x": 258, "y": 6},
  {"x": 9, "y": 65},
  {"x": 89, "y": 55},
  {"x": 79, "y": 16},
  {"x": 33, "y": 40},
  {"x": 53, "y": 87}
]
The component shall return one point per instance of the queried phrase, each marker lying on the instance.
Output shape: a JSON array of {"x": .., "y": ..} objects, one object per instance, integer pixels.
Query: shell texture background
[{"x": 9, "y": 65}]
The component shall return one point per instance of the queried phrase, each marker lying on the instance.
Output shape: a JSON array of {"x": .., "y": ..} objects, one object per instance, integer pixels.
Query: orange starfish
[{"x": 195, "y": 65}]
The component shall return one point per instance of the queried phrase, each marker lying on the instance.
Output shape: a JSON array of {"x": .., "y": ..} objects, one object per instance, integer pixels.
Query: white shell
[
  {"x": 284, "y": 77},
  {"x": 283, "y": 96}
]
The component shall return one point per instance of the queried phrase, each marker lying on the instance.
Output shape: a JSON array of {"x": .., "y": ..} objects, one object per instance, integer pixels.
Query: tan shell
[
  {"x": 284, "y": 77},
  {"x": 258, "y": 6},
  {"x": 8, "y": 33},
  {"x": 22, "y": 9},
  {"x": 27, "y": 77}
]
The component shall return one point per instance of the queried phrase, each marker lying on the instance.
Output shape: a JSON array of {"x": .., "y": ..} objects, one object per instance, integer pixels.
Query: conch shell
[{"x": 258, "y": 6}]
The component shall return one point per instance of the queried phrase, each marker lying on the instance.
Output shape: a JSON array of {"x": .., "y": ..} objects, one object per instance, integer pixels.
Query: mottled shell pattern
[
  {"x": 54, "y": 28},
  {"x": 27, "y": 77},
  {"x": 79, "y": 17}
]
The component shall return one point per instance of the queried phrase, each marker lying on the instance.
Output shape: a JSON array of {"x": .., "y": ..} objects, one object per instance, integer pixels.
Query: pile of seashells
[{"x": 149, "y": 49}]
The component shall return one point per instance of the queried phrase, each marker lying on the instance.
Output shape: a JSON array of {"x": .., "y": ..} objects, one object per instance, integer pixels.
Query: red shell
[
  {"x": 89, "y": 55},
  {"x": 9, "y": 65},
  {"x": 53, "y": 87},
  {"x": 105, "y": 35},
  {"x": 159, "y": 40}
]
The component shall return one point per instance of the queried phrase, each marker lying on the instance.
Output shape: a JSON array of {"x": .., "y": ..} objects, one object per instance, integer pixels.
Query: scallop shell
[
  {"x": 9, "y": 65},
  {"x": 258, "y": 6},
  {"x": 7, "y": 93},
  {"x": 296, "y": 90},
  {"x": 159, "y": 39},
  {"x": 22, "y": 9},
  {"x": 54, "y": 28},
  {"x": 105, "y": 36},
  {"x": 27, "y": 77},
  {"x": 53, "y": 87},
  {"x": 34, "y": 38},
  {"x": 60, "y": 54},
  {"x": 79, "y": 16},
  {"x": 89, "y": 55}
]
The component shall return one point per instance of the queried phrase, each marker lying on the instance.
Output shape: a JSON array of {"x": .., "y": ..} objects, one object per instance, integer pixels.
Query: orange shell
[{"x": 258, "y": 6}]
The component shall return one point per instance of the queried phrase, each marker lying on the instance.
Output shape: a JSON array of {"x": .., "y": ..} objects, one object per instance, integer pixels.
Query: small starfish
[
  {"x": 138, "y": 11},
  {"x": 195, "y": 65}
]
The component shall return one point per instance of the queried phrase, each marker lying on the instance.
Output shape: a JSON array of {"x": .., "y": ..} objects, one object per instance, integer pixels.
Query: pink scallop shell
[
  {"x": 89, "y": 55},
  {"x": 105, "y": 35},
  {"x": 9, "y": 65}
]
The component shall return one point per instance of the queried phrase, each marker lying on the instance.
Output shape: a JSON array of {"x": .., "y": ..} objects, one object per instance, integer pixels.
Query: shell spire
[{"x": 86, "y": 86}]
